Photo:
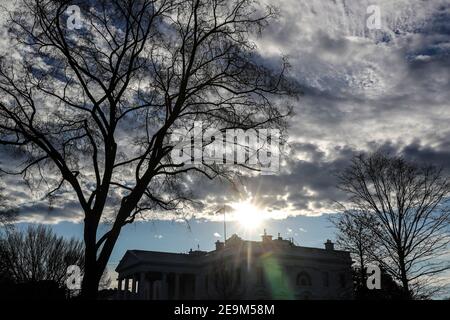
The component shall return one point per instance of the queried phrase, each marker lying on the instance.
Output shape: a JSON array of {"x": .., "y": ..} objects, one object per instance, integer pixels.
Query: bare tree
[
  {"x": 38, "y": 254},
  {"x": 91, "y": 110},
  {"x": 409, "y": 216},
  {"x": 227, "y": 279},
  {"x": 355, "y": 237}
]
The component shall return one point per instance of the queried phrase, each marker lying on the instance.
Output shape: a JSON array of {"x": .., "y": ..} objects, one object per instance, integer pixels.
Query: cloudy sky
[{"x": 363, "y": 89}]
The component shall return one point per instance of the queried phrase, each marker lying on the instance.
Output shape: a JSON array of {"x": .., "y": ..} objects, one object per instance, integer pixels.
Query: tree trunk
[
  {"x": 405, "y": 285},
  {"x": 91, "y": 278},
  {"x": 404, "y": 278},
  {"x": 95, "y": 264},
  {"x": 89, "y": 287}
]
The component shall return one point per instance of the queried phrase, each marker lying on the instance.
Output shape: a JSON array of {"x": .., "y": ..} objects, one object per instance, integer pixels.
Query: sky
[
  {"x": 363, "y": 90},
  {"x": 180, "y": 237}
]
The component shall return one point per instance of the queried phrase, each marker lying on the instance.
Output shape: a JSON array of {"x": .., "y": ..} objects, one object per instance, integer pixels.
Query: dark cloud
[
  {"x": 45, "y": 212},
  {"x": 363, "y": 89}
]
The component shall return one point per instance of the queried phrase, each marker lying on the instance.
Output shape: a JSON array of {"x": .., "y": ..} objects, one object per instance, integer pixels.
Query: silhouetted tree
[
  {"x": 37, "y": 254},
  {"x": 91, "y": 110},
  {"x": 390, "y": 289},
  {"x": 409, "y": 217},
  {"x": 353, "y": 236},
  {"x": 5, "y": 276},
  {"x": 227, "y": 280}
]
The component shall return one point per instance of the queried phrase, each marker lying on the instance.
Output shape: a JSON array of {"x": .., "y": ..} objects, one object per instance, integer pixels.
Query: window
[
  {"x": 326, "y": 279},
  {"x": 303, "y": 279}
]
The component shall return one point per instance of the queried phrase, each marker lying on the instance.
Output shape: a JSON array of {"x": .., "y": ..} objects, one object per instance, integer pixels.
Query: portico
[{"x": 142, "y": 279}]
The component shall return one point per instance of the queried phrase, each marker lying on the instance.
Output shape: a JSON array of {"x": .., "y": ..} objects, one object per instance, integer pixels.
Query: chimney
[
  {"x": 329, "y": 245},
  {"x": 219, "y": 245},
  {"x": 265, "y": 237}
]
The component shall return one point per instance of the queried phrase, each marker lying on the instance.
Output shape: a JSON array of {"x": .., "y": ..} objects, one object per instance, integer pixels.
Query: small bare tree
[
  {"x": 353, "y": 236},
  {"x": 91, "y": 110},
  {"x": 409, "y": 216},
  {"x": 227, "y": 280},
  {"x": 38, "y": 254}
]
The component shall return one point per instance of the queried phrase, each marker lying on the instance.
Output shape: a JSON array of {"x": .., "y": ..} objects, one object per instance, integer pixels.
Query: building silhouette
[{"x": 238, "y": 269}]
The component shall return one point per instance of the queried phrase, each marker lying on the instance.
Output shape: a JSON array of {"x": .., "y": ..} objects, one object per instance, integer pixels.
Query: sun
[{"x": 248, "y": 215}]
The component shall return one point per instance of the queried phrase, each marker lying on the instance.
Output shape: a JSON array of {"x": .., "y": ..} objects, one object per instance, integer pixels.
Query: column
[
  {"x": 199, "y": 285},
  {"x": 164, "y": 287},
  {"x": 119, "y": 288},
  {"x": 127, "y": 287},
  {"x": 133, "y": 285},
  {"x": 156, "y": 290},
  {"x": 177, "y": 286},
  {"x": 142, "y": 286},
  {"x": 149, "y": 291}
]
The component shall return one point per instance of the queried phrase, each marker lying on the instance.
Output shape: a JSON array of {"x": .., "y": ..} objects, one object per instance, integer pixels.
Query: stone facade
[{"x": 238, "y": 269}]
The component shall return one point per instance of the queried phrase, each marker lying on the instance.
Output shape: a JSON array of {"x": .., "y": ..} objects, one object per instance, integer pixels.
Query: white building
[{"x": 238, "y": 269}]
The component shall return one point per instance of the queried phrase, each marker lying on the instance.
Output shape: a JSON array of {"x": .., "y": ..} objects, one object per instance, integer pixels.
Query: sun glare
[{"x": 248, "y": 215}]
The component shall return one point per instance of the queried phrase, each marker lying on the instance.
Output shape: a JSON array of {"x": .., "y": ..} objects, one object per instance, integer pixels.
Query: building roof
[{"x": 234, "y": 246}]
